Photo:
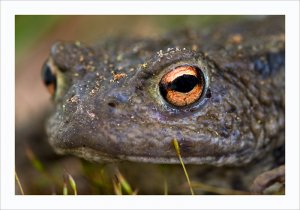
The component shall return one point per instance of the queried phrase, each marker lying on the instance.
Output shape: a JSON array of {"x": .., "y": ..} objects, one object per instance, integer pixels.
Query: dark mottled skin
[{"x": 240, "y": 117}]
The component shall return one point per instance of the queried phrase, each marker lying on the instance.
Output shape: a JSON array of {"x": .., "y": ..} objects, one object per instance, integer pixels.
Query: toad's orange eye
[
  {"x": 49, "y": 78},
  {"x": 182, "y": 86}
]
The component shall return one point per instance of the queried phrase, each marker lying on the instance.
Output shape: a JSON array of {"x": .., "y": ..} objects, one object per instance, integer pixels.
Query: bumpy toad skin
[{"x": 108, "y": 105}]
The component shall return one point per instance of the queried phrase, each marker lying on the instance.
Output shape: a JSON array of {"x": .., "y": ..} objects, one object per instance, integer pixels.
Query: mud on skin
[{"x": 222, "y": 99}]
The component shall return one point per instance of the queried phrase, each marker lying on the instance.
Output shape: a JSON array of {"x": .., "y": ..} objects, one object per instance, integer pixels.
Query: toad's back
[{"x": 219, "y": 92}]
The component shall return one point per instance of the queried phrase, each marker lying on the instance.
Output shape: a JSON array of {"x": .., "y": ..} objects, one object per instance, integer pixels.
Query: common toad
[{"x": 220, "y": 92}]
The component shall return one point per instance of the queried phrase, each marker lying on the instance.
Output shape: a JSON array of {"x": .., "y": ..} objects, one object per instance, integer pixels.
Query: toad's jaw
[{"x": 97, "y": 156}]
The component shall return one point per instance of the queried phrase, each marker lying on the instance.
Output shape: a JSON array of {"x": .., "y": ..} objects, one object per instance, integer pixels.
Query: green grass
[
  {"x": 69, "y": 179},
  {"x": 19, "y": 183},
  {"x": 107, "y": 180},
  {"x": 177, "y": 149}
]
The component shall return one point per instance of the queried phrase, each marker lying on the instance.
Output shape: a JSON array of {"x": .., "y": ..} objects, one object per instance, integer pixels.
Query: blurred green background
[{"x": 33, "y": 28}]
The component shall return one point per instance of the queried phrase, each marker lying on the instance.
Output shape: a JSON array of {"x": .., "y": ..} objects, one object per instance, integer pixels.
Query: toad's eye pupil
[
  {"x": 184, "y": 83},
  {"x": 49, "y": 78}
]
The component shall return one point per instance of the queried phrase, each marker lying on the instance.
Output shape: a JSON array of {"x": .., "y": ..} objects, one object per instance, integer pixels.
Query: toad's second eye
[
  {"x": 182, "y": 86},
  {"x": 49, "y": 78}
]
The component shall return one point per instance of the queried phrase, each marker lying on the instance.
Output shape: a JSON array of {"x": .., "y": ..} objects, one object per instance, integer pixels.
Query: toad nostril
[
  {"x": 208, "y": 93},
  {"x": 112, "y": 104},
  {"x": 118, "y": 96}
]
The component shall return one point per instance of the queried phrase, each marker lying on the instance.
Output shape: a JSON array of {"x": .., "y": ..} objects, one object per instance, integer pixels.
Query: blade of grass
[
  {"x": 117, "y": 186},
  {"x": 165, "y": 187},
  {"x": 68, "y": 177},
  {"x": 37, "y": 164},
  {"x": 19, "y": 183},
  {"x": 65, "y": 189},
  {"x": 34, "y": 160},
  {"x": 218, "y": 190},
  {"x": 135, "y": 192},
  {"x": 73, "y": 184},
  {"x": 65, "y": 186},
  {"x": 124, "y": 184},
  {"x": 177, "y": 149}
]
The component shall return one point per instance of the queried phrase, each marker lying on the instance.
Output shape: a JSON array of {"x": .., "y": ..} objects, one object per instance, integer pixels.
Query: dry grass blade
[
  {"x": 165, "y": 187},
  {"x": 177, "y": 149},
  {"x": 218, "y": 190},
  {"x": 19, "y": 183},
  {"x": 117, "y": 187}
]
